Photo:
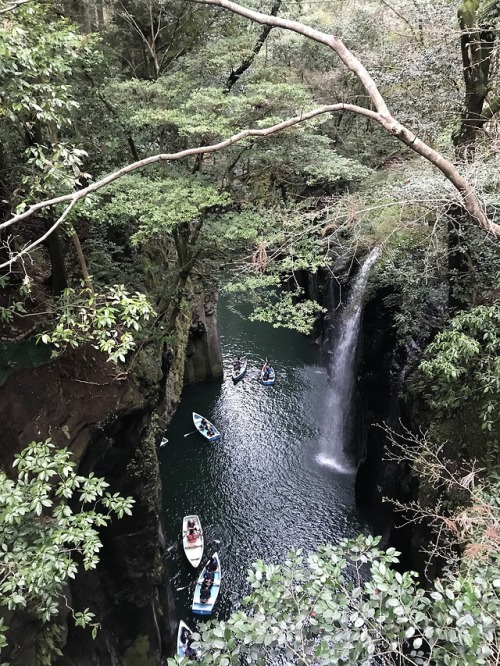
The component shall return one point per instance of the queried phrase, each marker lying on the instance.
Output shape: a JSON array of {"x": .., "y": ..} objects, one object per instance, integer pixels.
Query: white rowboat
[
  {"x": 205, "y": 428},
  {"x": 184, "y": 632},
  {"x": 239, "y": 373}
]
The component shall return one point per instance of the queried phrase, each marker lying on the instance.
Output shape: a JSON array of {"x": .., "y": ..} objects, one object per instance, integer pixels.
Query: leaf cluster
[
  {"x": 107, "y": 320},
  {"x": 48, "y": 515},
  {"x": 347, "y": 604}
]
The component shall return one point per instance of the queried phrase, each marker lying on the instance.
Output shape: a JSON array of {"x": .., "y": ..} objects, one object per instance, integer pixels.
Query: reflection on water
[{"x": 260, "y": 490}]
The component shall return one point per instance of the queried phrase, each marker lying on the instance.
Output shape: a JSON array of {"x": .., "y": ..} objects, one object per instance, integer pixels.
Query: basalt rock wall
[
  {"x": 106, "y": 422},
  {"x": 381, "y": 475},
  {"x": 203, "y": 352},
  {"x": 112, "y": 423}
]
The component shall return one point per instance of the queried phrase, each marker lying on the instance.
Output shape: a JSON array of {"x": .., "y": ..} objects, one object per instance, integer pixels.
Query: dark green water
[{"x": 260, "y": 490}]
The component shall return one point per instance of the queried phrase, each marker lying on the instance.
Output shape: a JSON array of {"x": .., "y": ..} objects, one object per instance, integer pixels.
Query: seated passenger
[
  {"x": 192, "y": 535},
  {"x": 209, "y": 575},
  {"x": 185, "y": 634},
  {"x": 204, "y": 594},
  {"x": 212, "y": 565},
  {"x": 204, "y": 423},
  {"x": 190, "y": 653},
  {"x": 191, "y": 524}
]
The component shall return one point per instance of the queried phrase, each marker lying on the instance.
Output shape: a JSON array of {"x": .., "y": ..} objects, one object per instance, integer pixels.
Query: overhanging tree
[{"x": 379, "y": 113}]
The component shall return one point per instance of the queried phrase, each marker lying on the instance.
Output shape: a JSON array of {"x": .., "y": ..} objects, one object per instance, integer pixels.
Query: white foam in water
[{"x": 327, "y": 461}]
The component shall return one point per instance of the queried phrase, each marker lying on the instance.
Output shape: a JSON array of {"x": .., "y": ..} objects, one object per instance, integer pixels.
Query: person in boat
[
  {"x": 205, "y": 593},
  {"x": 210, "y": 432},
  {"x": 204, "y": 423},
  {"x": 212, "y": 565},
  {"x": 185, "y": 634},
  {"x": 237, "y": 364},
  {"x": 191, "y": 525},
  {"x": 266, "y": 371},
  {"x": 190, "y": 652},
  {"x": 192, "y": 535},
  {"x": 209, "y": 575}
]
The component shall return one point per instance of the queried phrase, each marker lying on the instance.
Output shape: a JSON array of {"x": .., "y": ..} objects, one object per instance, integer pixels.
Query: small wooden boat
[
  {"x": 192, "y": 547},
  {"x": 239, "y": 372},
  {"x": 204, "y": 427},
  {"x": 183, "y": 634},
  {"x": 267, "y": 378},
  {"x": 206, "y": 608}
]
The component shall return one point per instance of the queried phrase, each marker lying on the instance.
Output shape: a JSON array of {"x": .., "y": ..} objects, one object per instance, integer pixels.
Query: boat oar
[{"x": 190, "y": 433}]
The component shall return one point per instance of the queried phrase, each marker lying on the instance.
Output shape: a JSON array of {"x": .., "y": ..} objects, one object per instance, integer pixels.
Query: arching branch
[
  {"x": 72, "y": 198},
  {"x": 382, "y": 115},
  {"x": 10, "y": 6}
]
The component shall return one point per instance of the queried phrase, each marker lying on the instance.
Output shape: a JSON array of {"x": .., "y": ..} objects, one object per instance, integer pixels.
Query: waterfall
[{"x": 336, "y": 430}]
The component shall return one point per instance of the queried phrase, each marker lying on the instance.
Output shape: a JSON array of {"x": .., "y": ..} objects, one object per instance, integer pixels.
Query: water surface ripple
[{"x": 260, "y": 490}]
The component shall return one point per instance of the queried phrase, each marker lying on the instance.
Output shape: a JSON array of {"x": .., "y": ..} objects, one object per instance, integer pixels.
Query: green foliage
[
  {"x": 106, "y": 320},
  {"x": 463, "y": 364},
  {"x": 37, "y": 54},
  {"x": 154, "y": 205},
  {"x": 288, "y": 312},
  {"x": 54, "y": 170},
  {"x": 40, "y": 52},
  {"x": 14, "y": 307},
  {"x": 347, "y": 604},
  {"x": 50, "y": 518}
]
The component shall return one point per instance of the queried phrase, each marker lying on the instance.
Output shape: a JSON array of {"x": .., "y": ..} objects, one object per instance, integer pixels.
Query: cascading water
[{"x": 336, "y": 429}]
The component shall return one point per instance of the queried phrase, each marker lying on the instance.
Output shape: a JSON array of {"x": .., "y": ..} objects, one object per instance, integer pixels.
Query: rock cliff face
[
  {"x": 381, "y": 379},
  {"x": 379, "y": 376},
  {"x": 112, "y": 423},
  {"x": 203, "y": 353}
]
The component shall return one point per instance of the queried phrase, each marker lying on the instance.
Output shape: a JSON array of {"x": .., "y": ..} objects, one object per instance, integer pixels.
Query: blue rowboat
[
  {"x": 270, "y": 376},
  {"x": 205, "y": 608},
  {"x": 205, "y": 428}
]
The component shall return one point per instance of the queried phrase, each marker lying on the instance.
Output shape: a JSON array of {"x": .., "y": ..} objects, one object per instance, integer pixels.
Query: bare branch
[
  {"x": 40, "y": 240},
  {"x": 383, "y": 115},
  {"x": 13, "y": 5}
]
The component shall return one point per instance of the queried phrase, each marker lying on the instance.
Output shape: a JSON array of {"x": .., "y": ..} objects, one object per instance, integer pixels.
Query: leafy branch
[{"x": 47, "y": 515}]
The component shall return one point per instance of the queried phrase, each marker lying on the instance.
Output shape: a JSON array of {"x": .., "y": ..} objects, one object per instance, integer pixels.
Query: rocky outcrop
[
  {"x": 107, "y": 420},
  {"x": 203, "y": 353},
  {"x": 112, "y": 423}
]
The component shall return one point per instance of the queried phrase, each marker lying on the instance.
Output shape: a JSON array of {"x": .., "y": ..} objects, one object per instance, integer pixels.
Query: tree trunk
[
  {"x": 476, "y": 44},
  {"x": 57, "y": 280},
  {"x": 81, "y": 259}
]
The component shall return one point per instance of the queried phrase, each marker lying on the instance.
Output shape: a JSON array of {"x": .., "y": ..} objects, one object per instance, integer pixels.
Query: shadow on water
[{"x": 260, "y": 490}]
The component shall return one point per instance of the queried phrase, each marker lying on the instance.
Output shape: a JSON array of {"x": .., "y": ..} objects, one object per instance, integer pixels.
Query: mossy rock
[{"x": 138, "y": 653}]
